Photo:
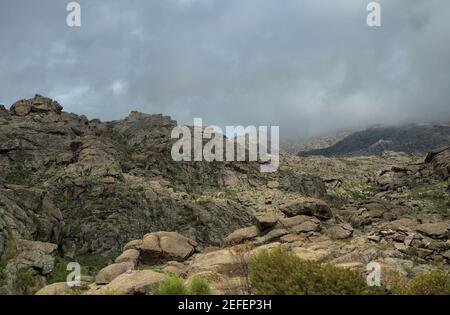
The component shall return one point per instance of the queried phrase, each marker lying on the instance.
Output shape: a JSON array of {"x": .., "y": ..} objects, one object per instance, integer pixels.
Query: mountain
[
  {"x": 109, "y": 196},
  {"x": 413, "y": 139}
]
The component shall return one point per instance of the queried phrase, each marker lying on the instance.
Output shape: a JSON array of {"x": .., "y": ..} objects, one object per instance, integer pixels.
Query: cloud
[{"x": 311, "y": 67}]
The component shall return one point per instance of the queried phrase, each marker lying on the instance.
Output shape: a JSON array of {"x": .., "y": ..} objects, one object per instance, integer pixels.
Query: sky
[{"x": 311, "y": 67}]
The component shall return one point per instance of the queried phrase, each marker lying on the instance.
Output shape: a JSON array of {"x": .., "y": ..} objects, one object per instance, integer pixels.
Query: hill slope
[{"x": 373, "y": 141}]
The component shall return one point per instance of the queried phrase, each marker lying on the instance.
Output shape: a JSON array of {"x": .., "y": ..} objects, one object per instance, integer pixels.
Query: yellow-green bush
[
  {"x": 174, "y": 285},
  {"x": 199, "y": 286},
  {"x": 435, "y": 282},
  {"x": 282, "y": 273}
]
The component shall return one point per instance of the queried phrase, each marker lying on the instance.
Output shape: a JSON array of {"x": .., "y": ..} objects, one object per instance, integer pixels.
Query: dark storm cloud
[{"x": 308, "y": 66}]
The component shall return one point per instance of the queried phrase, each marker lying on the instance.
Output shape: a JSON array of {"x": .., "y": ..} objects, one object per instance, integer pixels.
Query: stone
[
  {"x": 266, "y": 221},
  {"x": 307, "y": 226},
  {"x": 161, "y": 246},
  {"x": 293, "y": 221},
  {"x": 109, "y": 273},
  {"x": 290, "y": 238},
  {"x": 33, "y": 256},
  {"x": 59, "y": 288},
  {"x": 341, "y": 231},
  {"x": 242, "y": 235},
  {"x": 21, "y": 108},
  {"x": 130, "y": 255},
  {"x": 274, "y": 234},
  {"x": 402, "y": 223},
  {"x": 175, "y": 246},
  {"x": 374, "y": 238},
  {"x": 134, "y": 282},
  {"x": 434, "y": 230},
  {"x": 132, "y": 244},
  {"x": 307, "y": 206},
  {"x": 273, "y": 184},
  {"x": 311, "y": 254},
  {"x": 150, "y": 251},
  {"x": 213, "y": 261}
]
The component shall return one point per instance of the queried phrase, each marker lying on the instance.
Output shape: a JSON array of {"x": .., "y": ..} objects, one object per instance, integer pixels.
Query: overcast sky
[{"x": 309, "y": 66}]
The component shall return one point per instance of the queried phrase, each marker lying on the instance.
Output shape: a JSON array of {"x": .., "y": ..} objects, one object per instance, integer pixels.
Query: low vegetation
[
  {"x": 435, "y": 282},
  {"x": 279, "y": 272},
  {"x": 175, "y": 285}
]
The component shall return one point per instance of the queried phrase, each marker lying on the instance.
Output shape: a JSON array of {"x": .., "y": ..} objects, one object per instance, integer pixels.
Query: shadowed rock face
[{"x": 373, "y": 141}]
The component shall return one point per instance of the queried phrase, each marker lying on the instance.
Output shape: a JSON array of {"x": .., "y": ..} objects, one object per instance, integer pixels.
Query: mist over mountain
[
  {"x": 413, "y": 138},
  {"x": 308, "y": 67}
]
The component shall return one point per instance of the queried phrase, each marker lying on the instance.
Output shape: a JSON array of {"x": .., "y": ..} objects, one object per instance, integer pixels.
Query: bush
[
  {"x": 19, "y": 175},
  {"x": 174, "y": 285},
  {"x": 59, "y": 272},
  {"x": 24, "y": 281},
  {"x": 199, "y": 286},
  {"x": 435, "y": 282},
  {"x": 282, "y": 273}
]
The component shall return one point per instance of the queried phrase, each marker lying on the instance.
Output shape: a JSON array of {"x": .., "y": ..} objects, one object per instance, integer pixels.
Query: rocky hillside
[
  {"x": 87, "y": 187},
  {"x": 374, "y": 141},
  {"x": 382, "y": 229},
  {"x": 108, "y": 196}
]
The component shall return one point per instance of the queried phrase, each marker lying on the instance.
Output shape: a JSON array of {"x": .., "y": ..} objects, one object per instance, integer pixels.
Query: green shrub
[
  {"x": 59, "y": 272},
  {"x": 24, "y": 281},
  {"x": 282, "y": 273},
  {"x": 199, "y": 286},
  {"x": 172, "y": 285},
  {"x": 19, "y": 175},
  {"x": 435, "y": 282}
]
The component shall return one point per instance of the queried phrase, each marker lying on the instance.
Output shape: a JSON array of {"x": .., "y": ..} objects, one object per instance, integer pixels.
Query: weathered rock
[
  {"x": 59, "y": 288},
  {"x": 273, "y": 184},
  {"x": 175, "y": 245},
  {"x": 213, "y": 261},
  {"x": 21, "y": 108},
  {"x": 33, "y": 256},
  {"x": 311, "y": 254},
  {"x": 165, "y": 246},
  {"x": 402, "y": 223},
  {"x": 109, "y": 273},
  {"x": 266, "y": 221},
  {"x": 307, "y": 226},
  {"x": 242, "y": 235},
  {"x": 132, "y": 282},
  {"x": 341, "y": 231},
  {"x": 307, "y": 206},
  {"x": 273, "y": 235},
  {"x": 36, "y": 104},
  {"x": 293, "y": 221},
  {"x": 130, "y": 255},
  {"x": 434, "y": 230}
]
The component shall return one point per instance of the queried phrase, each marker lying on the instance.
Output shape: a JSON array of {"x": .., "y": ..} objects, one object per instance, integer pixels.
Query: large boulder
[
  {"x": 307, "y": 206},
  {"x": 135, "y": 282},
  {"x": 59, "y": 288},
  {"x": 434, "y": 230},
  {"x": 129, "y": 255},
  {"x": 242, "y": 235},
  {"x": 163, "y": 246},
  {"x": 341, "y": 231},
  {"x": 109, "y": 273},
  {"x": 34, "y": 256},
  {"x": 266, "y": 220},
  {"x": 39, "y": 104},
  {"x": 213, "y": 261}
]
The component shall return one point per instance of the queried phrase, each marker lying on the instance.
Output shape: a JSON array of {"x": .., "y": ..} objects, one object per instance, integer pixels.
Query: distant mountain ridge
[{"x": 413, "y": 138}]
